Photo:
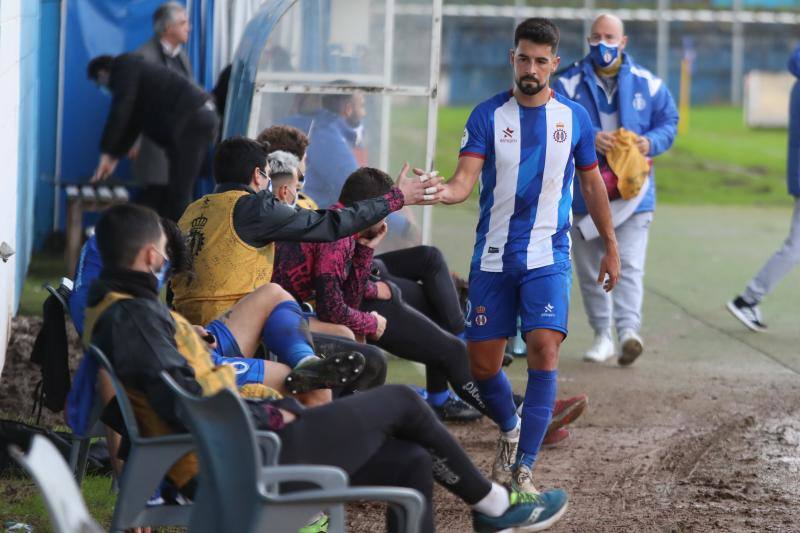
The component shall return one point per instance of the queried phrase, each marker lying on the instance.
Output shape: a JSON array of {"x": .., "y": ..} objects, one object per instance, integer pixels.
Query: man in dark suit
[
  {"x": 166, "y": 47},
  {"x": 164, "y": 105}
]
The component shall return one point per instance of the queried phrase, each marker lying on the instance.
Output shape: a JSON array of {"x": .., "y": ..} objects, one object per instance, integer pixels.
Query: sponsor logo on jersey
[
  {"x": 508, "y": 135},
  {"x": 464, "y": 138}
]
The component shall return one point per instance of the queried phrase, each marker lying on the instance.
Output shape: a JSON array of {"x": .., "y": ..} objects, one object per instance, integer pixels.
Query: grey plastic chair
[
  {"x": 148, "y": 461},
  {"x": 62, "y": 497},
  {"x": 236, "y": 492}
]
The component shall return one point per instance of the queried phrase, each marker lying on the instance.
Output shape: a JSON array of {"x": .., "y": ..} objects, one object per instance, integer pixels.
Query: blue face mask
[
  {"x": 603, "y": 54},
  {"x": 106, "y": 91},
  {"x": 161, "y": 275}
]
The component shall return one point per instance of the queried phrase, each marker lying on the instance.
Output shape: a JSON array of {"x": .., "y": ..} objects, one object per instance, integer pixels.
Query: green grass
[
  {"x": 719, "y": 161},
  {"x": 20, "y": 501},
  {"x": 44, "y": 268}
]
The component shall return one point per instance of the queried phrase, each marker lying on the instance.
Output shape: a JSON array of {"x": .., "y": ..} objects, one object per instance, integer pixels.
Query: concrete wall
[{"x": 19, "y": 93}]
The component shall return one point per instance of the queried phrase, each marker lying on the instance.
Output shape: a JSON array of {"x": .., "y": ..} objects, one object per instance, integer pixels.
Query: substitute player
[{"x": 526, "y": 144}]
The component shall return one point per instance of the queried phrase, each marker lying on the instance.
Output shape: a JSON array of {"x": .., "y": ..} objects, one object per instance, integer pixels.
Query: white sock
[
  {"x": 514, "y": 433},
  {"x": 306, "y": 359},
  {"x": 495, "y": 503}
]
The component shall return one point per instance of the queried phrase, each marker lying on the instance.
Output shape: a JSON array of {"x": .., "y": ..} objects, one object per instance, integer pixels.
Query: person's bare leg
[
  {"x": 486, "y": 357},
  {"x": 246, "y": 318},
  {"x": 318, "y": 326}
]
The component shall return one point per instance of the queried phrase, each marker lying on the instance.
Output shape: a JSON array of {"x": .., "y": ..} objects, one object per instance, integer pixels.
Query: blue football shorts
[
  {"x": 540, "y": 297},
  {"x": 227, "y": 352}
]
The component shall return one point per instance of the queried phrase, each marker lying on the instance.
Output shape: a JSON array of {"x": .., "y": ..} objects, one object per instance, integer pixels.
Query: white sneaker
[
  {"x": 505, "y": 456},
  {"x": 601, "y": 350},
  {"x": 632, "y": 346}
]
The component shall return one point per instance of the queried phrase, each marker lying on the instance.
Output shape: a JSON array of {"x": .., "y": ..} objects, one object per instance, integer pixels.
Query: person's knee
[
  {"x": 402, "y": 398},
  {"x": 543, "y": 351},
  {"x": 272, "y": 294},
  {"x": 376, "y": 365},
  {"x": 484, "y": 366},
  {"x": 432, "y": 256}
]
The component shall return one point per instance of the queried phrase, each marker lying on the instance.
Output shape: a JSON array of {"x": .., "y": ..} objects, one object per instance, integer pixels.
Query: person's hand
[
  {"x": 375, "y": 240},
  {"x": 133, "y": 153},
  {"x": 205, "y": 335},
  {"x": 422, "y": 188},
  {"x": 384, "y": 292},
  {"x": 105, "y": 167},
  {"x": 609, "y": 270},
  {"x": 604, "y": 141},
  {"x": 381, "y": 326},
  {"x": 643, "y": 144}
]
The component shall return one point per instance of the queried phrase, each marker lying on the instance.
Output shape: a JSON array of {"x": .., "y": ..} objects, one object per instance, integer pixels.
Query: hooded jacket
[{"x": 646, "y": 107}]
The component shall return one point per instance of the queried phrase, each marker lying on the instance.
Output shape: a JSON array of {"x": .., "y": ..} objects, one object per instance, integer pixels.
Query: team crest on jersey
[
  {"x": 560, "y": 135},
  {"x": 638, "y": 102},
  {"x": 508, "y": 135},
  {"x": 464, "y": 138}
]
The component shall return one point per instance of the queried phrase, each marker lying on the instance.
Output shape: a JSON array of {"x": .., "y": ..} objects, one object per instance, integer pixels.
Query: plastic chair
[
  {"x": 236, "y": 492},
  {"x": 148, "y": 461},
  {"x": 62, "y": 497},
  {"x": 80, "y": 444}
]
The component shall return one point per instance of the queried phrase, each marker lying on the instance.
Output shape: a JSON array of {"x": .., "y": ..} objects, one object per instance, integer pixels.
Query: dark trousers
[
  {"x": 185, "y": 158},
  {"x": 385, "y": 436},
  {"x": 423, "y": 277}
]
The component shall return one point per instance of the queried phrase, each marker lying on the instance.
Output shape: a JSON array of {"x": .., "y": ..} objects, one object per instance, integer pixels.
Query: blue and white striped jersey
[{"x": 530, "y": 155}]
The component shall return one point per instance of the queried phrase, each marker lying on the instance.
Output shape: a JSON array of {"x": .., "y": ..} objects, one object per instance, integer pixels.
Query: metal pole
[
  {"x": 662, "y": 43},
  {"x": 59, "y": 115},
  {"x": 737, "y": 54},
  {"x": 386, "y": 100},
  {"x": 589, "y": 5},
  {"x": 433, "y": 109}
]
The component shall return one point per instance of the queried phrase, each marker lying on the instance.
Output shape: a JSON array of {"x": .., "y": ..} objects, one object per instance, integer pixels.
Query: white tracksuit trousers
[
  {"x": 624, "y": 303},
  {"x": 781, "y": 263}
]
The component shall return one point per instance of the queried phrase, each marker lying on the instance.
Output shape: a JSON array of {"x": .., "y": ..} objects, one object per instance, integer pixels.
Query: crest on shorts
[{"x": 560, "y": 135}]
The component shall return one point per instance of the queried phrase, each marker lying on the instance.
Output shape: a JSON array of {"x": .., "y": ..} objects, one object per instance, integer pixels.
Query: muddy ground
[{"x": 702, "y": 434}]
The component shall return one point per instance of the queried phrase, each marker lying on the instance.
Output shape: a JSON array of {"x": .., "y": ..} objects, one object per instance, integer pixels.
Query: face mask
[
  {"x": 294, "y": 202},
  {"x": 106, "y": 91},
  {"x": 603, "y": 54},
  {"x": 161, "y": 275}
]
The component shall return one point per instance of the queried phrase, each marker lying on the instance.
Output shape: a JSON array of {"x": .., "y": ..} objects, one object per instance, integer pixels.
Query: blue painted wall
[{"x": 49, "y": 36}]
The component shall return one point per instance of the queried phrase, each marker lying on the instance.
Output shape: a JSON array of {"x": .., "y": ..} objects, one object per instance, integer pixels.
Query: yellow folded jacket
[{"x": 630, "y": 166}]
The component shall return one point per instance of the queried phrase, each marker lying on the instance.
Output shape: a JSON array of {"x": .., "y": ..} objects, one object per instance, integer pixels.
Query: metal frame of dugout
[{"x": 248, "y": 84}]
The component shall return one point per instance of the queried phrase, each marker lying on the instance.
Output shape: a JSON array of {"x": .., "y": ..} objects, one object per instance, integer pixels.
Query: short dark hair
[
  {"x": 336, "y": 102},
  {"x": 179, "y": 258},
  {"x": 123, "y": 230},
  {"x": 286, "y": 138},
  {"x": 104, "y": 62},
  {"x": 235, "y": 159},
  {"x": 538, "y": 30},
  {"x": 364, "y": 183}
]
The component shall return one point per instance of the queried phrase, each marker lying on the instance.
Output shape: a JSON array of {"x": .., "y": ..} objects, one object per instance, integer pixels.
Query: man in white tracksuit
[{"x": 617, "y": 93}]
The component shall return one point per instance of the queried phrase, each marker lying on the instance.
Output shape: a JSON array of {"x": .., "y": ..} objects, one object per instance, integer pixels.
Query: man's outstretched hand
[{"x": 421, "y": 188}]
